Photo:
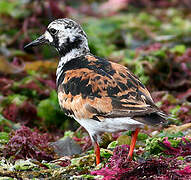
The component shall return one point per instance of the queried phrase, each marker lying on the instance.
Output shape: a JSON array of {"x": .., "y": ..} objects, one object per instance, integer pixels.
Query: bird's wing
[{"x": 106, "y": 90}]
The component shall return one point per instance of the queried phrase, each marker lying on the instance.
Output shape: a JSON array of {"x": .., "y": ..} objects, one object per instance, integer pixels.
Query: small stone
[{"x": 66, "y": 147}]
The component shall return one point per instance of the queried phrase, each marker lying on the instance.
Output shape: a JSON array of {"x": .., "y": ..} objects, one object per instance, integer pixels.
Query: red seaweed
[
  {"x": 25, "y": 113},
  {"x": 119, "y": 167},
  {"x": 25, "y": 143}
]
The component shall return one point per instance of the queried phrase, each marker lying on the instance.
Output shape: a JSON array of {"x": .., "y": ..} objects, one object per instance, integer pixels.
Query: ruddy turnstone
[{"x": 101, "y": 95}]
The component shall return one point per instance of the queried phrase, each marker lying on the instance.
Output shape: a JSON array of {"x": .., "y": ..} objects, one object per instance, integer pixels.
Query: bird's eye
[{"x": 53, "y": 31}]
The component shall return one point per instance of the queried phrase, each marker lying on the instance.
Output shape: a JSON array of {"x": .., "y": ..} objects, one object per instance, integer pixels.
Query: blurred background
[{"x": 152, "y": 38}]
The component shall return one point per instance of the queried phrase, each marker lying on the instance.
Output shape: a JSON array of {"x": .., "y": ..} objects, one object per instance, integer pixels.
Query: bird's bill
[{"x": 36, "y": 42}]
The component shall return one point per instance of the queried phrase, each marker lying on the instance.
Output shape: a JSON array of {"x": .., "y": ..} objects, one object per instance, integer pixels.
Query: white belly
[{"x": 109, "y": 125}]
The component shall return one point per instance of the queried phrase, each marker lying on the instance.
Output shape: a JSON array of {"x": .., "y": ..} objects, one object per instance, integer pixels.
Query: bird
[{"x": 102, "y": 96}]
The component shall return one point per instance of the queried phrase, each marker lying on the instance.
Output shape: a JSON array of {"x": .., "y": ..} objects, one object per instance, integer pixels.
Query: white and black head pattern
[{"x": 66, "y": 35}]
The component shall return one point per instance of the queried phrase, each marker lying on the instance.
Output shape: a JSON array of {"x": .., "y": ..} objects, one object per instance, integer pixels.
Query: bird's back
[{"x": 90, "y": 87}]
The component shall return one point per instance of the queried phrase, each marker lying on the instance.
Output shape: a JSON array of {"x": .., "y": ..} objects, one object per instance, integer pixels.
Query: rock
[
  {"x": 185, "y": 128},
  {"x": 66, "y": 147}
]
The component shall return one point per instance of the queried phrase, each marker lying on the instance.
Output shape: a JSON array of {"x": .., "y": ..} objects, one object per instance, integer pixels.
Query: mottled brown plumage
[{"x": 102, "y": 89}]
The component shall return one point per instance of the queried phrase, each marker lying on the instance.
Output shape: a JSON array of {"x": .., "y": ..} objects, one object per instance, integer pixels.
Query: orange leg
[
  {"x": 97, "y": 152},
  {"x": 133, "y": 142}
]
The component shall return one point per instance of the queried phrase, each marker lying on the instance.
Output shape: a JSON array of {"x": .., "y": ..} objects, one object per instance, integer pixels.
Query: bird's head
[{"x": 65, "y": 35}]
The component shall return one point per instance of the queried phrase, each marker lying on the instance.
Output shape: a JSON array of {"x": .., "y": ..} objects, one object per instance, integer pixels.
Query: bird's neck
[{"x": 74, "y": 53}]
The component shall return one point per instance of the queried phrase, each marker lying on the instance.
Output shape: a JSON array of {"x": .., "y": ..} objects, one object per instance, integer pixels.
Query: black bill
[{"x": 36, "y": 42}]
